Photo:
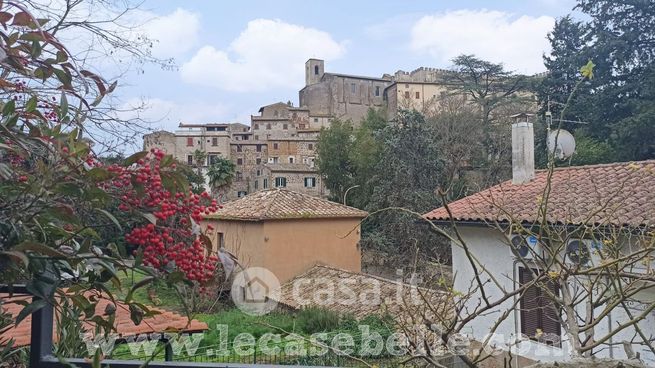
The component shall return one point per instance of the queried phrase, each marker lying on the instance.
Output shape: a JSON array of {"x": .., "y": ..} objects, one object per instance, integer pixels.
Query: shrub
[{"x": 314, "y": 319}]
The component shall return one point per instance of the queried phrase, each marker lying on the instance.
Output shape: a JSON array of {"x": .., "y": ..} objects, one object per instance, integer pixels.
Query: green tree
[
  {"x": 333, "y": 157},
  {"x": 487, "y": 84},
  {"x": 407, "y": 176},
  {"x": 220, "y": 175},
  {"x": 365, "y": 153},
  {"x": 617, "y": 102}
]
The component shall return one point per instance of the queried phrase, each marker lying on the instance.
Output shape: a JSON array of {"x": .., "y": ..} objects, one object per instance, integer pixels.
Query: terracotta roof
[
  {"x": 394, "y": 297},
  {"x": 164, "y": 321},
  {"x": 278, "y": 204},
  {"x": 617, "y": 194}
]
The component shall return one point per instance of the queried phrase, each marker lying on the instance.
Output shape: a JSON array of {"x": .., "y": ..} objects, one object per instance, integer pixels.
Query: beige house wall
[
  {"x": 293, "y": 246},
  {"x": 289, "y": 247},
  {"x": 244, "y": 239}
]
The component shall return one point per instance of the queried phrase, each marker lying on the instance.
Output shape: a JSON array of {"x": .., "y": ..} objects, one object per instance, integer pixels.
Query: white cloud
[
  {"x": 267, "y": 54},
  {"x": 517, "y": 42},
  {"x": 174, "y": 33}
]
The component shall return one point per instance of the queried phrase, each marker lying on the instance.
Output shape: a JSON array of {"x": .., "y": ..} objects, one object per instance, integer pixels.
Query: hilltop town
[{"x": 278, "y": 148}]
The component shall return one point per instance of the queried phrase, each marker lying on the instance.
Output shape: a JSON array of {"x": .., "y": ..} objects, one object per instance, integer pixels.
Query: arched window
[{"x": 315, "y": 69}]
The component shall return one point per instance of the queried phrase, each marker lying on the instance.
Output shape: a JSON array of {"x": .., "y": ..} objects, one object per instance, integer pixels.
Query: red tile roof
[
  {"x": 373, "y": 294},
  {"x": 164, "y": 321},
  {"x": 279, "y": 204},
  {"x": 617, "y": 194}
]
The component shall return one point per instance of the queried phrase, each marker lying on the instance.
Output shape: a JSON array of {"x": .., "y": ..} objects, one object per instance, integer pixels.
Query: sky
[{"x": 232, "y": 57}]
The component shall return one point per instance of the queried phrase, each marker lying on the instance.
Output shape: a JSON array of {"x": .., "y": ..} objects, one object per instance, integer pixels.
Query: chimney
[{"x": 522, "y": 149}]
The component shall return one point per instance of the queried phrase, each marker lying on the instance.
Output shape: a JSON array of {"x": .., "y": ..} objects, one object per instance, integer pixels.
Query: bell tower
[{"x": 314, "y": 69}]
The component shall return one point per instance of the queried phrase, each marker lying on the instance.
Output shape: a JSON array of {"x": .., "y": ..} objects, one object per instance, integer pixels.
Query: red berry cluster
[{"x": 172, "y": 241}]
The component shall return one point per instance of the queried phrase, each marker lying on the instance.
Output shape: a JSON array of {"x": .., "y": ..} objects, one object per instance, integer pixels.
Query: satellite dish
[{"x": 565, "y": 143}]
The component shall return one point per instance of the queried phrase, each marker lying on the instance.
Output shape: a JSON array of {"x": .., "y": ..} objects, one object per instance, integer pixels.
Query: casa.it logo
[{"x": 255, "y": 291}]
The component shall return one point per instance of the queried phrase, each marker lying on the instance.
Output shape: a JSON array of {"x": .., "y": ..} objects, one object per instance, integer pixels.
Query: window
[
  {"x": 316, "y": 120},
  {"x": 256, "y": 126},
  {"x": 241, "y": 193},
  {"x": 406, "y": 94},
  {"x": 273, "y": 160},
  {"x": 275, "y": 113},
  {"x": 221, "y": 240},
  {"x": 239, "y": 175},
  {"x": 189, "y": 142},
  {"x": 259, "y": 172},
  {"x": 353, "y": 88},
  {"x": 285, "y": 126},
  {"x": 315, "y": 69},
  {"x": 310, "y": 146},
  {"x": 538, "y": 311},
  {"x": 239, "y": 161},
  {"x": 418, "y": 95},
  {"x": 268, "y": 126},
  {"x": 256, "y": 137},
  {"x": 377, "y": 91},
  {"x": 211, "y": 159},
  {"x": 265, "y": 183},
  {"x": 280, "y": 182},
  {"x": 256, "y": 184},
  {"x": 290, "y": 160},
  {"x": 275, "y": 146},
  {"x": 406, "y": 85},
  {"x": 189, "y": 159},
  {"x": 259, "y": 148},
  {"x": 258, "y": 161},
  {"x": 214, "y": 141},
  {"x": 301, "y": 126},
  {"x": 239, "y": 149},
  {"x": 310, "y": 182}
]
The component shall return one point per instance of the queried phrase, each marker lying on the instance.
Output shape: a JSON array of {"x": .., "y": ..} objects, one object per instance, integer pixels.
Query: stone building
[
  {"x": 278, "y": 151},
  {"x": 341, "y": 96}
]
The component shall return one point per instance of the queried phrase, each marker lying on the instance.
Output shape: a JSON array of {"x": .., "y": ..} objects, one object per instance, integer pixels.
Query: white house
[{"x": 605, "y": 200}]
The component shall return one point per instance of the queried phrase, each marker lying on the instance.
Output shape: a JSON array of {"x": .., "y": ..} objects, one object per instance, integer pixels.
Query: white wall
[{"x": 489, "y": 247}]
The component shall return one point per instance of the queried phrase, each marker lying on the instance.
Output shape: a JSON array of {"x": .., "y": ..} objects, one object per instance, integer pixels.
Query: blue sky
[{"x": 234, "y": 56}]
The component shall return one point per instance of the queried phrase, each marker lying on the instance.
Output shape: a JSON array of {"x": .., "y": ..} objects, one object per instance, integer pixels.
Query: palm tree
[{"x": 220, "y": 175}]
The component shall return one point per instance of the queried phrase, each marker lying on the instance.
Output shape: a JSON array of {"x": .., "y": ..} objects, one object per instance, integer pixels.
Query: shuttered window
[{"x": 538, "y": 312}]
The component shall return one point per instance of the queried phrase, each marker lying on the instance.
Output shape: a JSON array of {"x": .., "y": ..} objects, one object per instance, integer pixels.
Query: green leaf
[
  {"x": 30, "y": 106},
  {"x": 111, "y": 217},
  {"x": 150, "y": 217},
  {"x": 9, "y": 108},
  {"x": 63, "y": 76},
  {"x": 29, "y": 309},
  {"x": 141, "y": 283},
  {"x": 99, "y": 174},
  {"x": 136, "y": 314},
  {"x": 134, "y": 158},
  {"x": 39, "y": 248},
  {"x": 63, "y": 106}
]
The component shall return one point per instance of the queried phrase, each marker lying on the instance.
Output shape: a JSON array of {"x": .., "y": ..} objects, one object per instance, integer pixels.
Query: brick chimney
[{"x": 522, "y": 149}]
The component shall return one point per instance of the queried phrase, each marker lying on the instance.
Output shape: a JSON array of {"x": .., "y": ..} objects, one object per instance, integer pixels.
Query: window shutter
[
  {"x": 551, "y": 321},
  {"x": 529, "y": 305},
  {"x": 538, "y": 311}
]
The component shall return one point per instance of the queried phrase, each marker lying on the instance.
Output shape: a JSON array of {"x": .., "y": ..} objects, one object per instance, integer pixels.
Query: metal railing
[{"x": 41, "y": 346}]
